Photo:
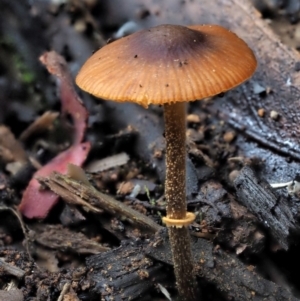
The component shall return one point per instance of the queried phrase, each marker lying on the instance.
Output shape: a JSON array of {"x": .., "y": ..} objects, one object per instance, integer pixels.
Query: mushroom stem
[{"x": 175, "y": 193}]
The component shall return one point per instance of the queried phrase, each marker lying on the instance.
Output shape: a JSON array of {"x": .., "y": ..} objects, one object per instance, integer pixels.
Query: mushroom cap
[{"x": 168, "y": 64}]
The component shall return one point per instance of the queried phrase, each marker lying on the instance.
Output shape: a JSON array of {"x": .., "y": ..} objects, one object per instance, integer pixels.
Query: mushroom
[{"x": 169, "y": 65}]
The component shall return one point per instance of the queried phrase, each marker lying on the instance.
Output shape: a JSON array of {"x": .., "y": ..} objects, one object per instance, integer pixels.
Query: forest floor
[{"x": 93, "y": 230}]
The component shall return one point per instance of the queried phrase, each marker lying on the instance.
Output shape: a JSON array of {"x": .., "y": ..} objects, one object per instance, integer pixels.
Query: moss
[
  {"x": 17, "y": 64},
  {"x": 25, "y": 75}
]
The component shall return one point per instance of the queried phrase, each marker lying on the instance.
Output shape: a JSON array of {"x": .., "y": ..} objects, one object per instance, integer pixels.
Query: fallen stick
[{"x": 98, "y": 200}]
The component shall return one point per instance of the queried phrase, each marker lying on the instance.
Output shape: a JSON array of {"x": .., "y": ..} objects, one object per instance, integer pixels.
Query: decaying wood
[
  {"x": 244, "y": 235},
  {"x": 60, "y": 238},
  {"x": 273, "y": 212},
  {"x": 231, "y": 224},
  {"x": 239, "y": 229},
  {"x": 135, "y": 267},
  {"x": 234, "y": 279},
  {"x": 99, "y": 200},
  {"x": 9, "y": 269},
  {"x": 126, "y": 272},
  {"x": 70, "y": 198}
]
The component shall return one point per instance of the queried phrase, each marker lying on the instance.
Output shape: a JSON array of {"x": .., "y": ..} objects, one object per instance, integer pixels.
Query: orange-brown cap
[{"x": 168, "y": 64}]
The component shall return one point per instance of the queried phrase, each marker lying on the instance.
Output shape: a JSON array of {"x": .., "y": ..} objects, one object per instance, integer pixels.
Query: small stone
[
  {"x": 268, "y": 90},
  {"x": 195, "y": 136},
  {"x": 193, "y": 118},
  {"x": 229, "y": 136},
  {"x": 258, "y": 89},
  {"x": 233, "y": 175},
  {"x": 158, "y": 154},
  {"x": 274, "y": 115},
  {"x": 250, "y": 268},
  {"x": 80, "y": 26},
  {"x": 261, "y": 112}
]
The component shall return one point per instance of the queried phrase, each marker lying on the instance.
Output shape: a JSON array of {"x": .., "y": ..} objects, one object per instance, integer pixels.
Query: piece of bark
[
  {"x": 99, "y": 200},
  {"x": 9, "y": 269},
  {"x": 60, "y": 238},
  {"x": 69, "y": 196},
  {"x": 124, "y": 273},
  {"x": 229, "y": 275},
  {"x": 273, "y": 212}
]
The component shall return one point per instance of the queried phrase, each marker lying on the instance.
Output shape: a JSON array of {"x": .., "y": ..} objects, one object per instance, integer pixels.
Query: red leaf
[
  {"x": 36, "y": 203},
  {"x": 70, "y": 101}
]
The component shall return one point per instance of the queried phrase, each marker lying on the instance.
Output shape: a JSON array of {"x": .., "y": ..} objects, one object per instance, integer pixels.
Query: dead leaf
[
  {"x": 42, "y": 123},
  {"x": 70, "y": 101},
  {"x": 35, "y": 202},
  {"x": 11, "y": 149}
]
